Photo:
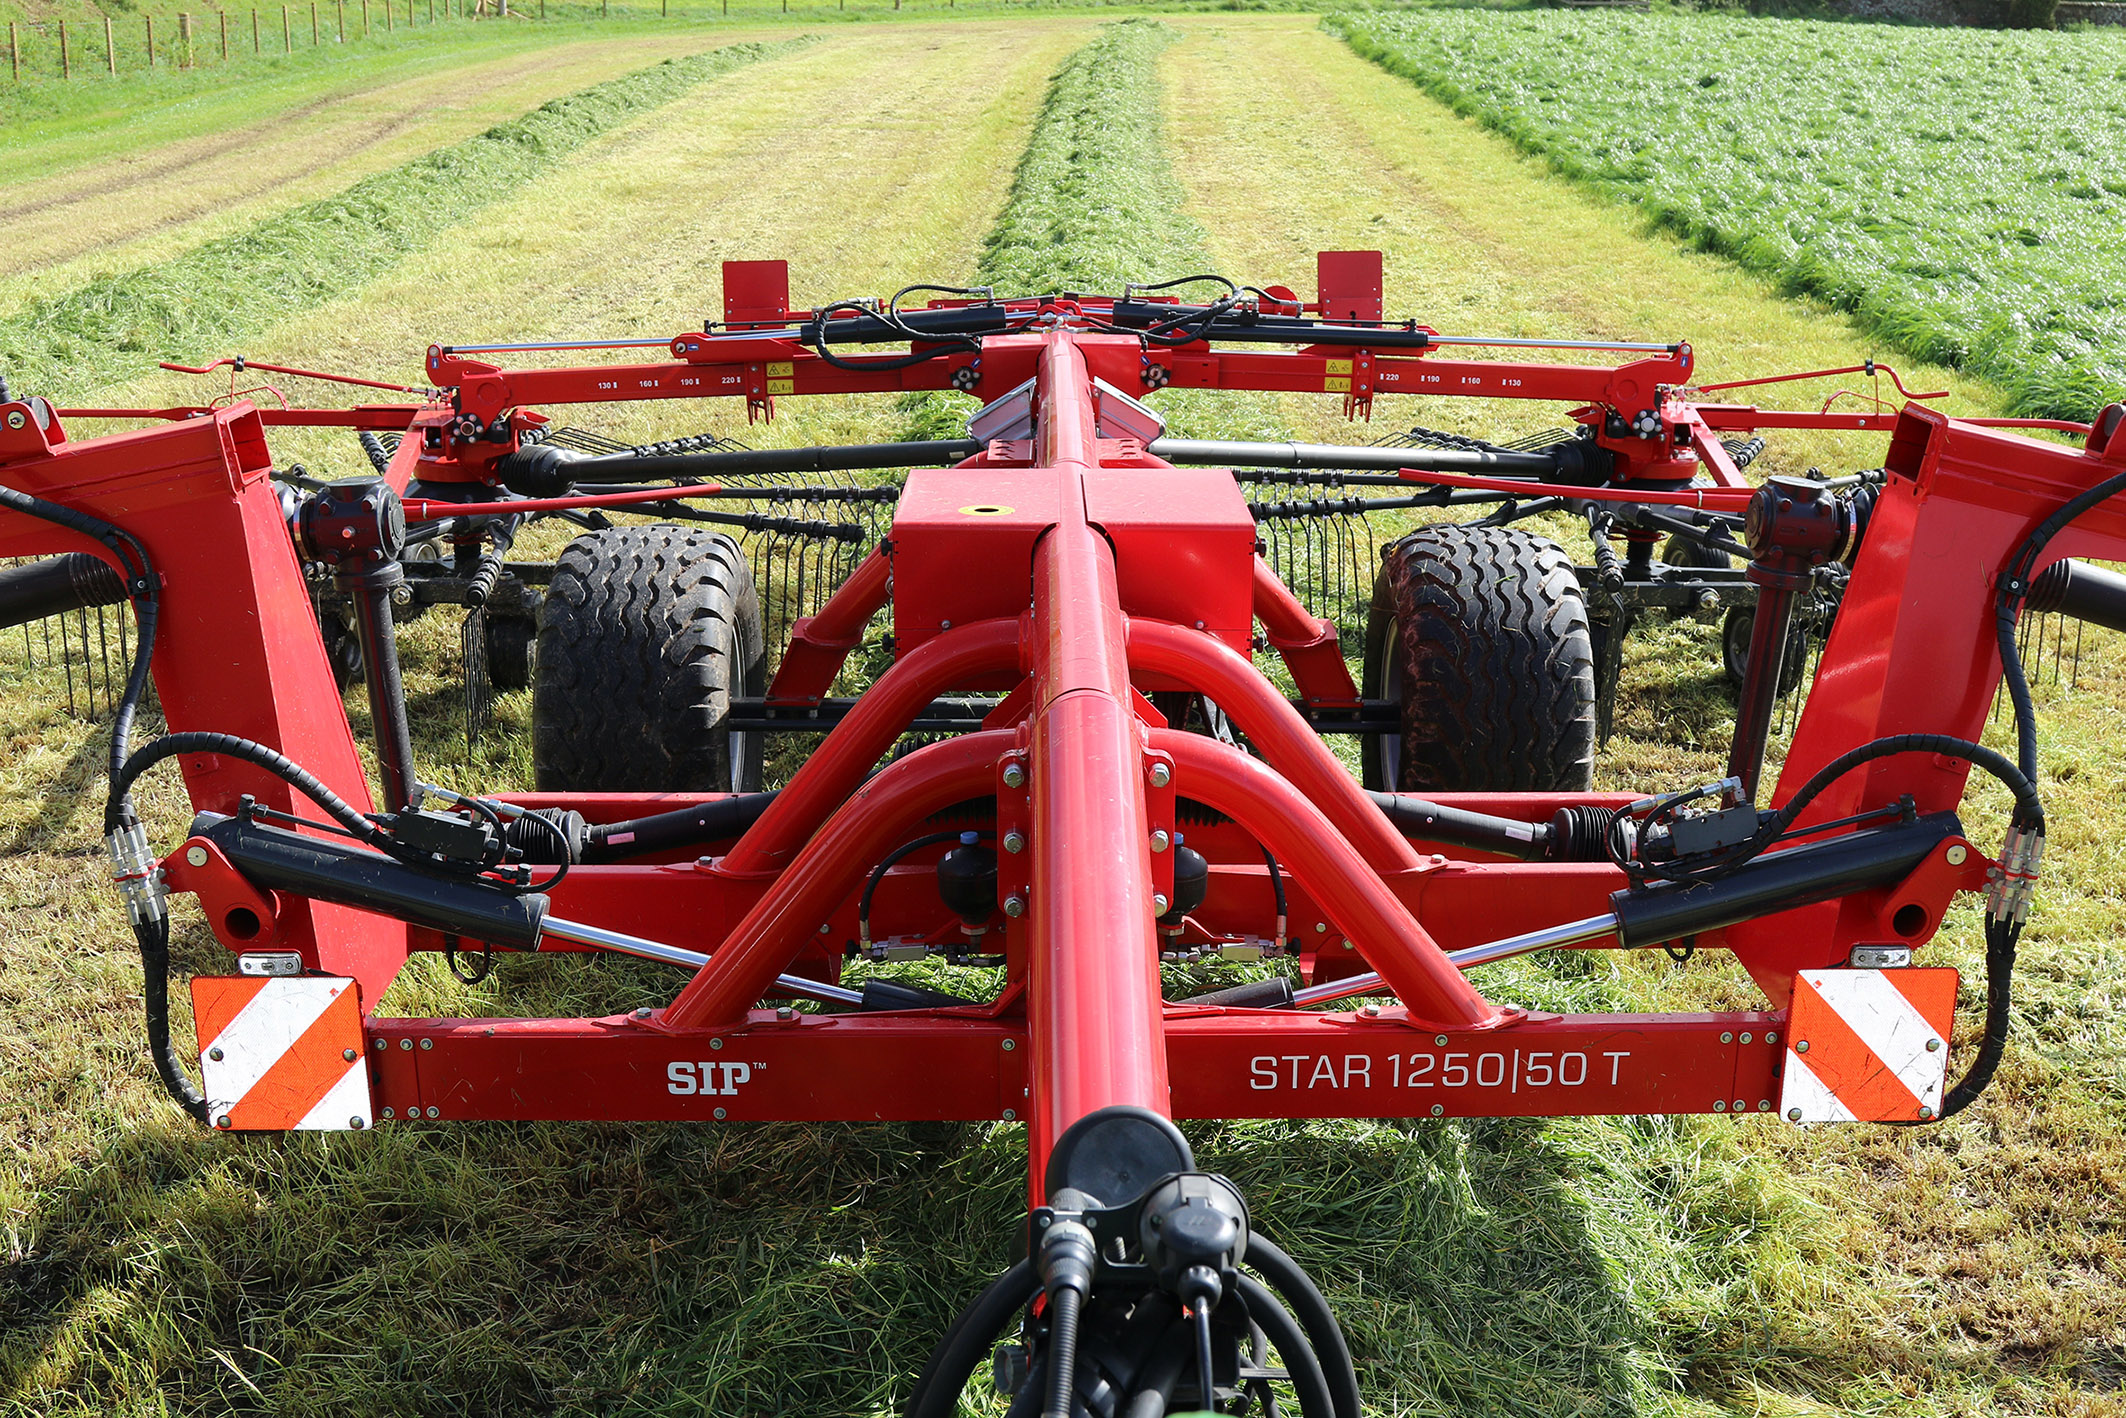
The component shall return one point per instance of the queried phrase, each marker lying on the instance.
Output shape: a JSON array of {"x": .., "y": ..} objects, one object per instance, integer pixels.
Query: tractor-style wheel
[
  {"x": 1480, "y": 634},
  {"x": 645, "y": 636},
  {"x": 512, "y": 651}
]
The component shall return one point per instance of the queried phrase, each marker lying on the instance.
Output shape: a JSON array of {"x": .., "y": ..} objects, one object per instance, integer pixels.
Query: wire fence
[{"x": 110, "y": 47}]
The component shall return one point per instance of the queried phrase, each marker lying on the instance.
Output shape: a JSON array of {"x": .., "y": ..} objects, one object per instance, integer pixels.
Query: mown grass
[
  {"x": 235, "y": 286},
  {"x": 1962, "y": 192},
  {"x": 1599, "y": 1267}
]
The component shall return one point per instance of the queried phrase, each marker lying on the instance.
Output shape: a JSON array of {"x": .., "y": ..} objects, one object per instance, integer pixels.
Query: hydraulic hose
[
  {"x": 968, "y": 1342},
  {"x": 71, "y": 582},
  {"x": 1324, "y": 1336},
  {"x": 1063, "y": 1306},
  {"x": 1300, "y": 1360}
]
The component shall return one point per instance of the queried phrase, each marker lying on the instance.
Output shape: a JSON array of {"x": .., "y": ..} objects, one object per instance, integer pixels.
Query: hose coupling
[
  {"x": 2009, "y": 885},
  {"x": 139, "y": 876}
]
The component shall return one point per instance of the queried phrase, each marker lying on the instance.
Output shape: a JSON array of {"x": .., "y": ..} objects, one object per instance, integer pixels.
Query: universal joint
[
  {"x": 1793, "y": 526},
  {"x": 360, "y": 528}
]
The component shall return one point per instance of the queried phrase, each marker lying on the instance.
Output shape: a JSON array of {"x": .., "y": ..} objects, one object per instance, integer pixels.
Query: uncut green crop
[{"x": 1963, "y": 192}]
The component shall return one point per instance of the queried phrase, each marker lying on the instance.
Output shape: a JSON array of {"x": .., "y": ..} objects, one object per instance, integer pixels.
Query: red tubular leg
[
  {"x": 1093, "y": 1001},
  {"x": 1309, "y": 646},
  {"x": 832, "y": 865},
  {"x": 819, "y": 644},
  {"x": 1357, "y": 900},
  {"x": 1213, "y": 668},
  {"x": 953, "y": 660}
]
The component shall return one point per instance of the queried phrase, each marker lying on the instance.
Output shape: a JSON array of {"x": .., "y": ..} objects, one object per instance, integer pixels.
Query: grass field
[
  {"x": 1963, "y": 192},
  {"x": 1631, "y": 1266}
]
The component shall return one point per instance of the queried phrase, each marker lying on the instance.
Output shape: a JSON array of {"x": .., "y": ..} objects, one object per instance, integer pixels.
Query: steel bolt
[
  {"x": 1161, "y": 775},
  {"x": 428, "y": 1043},
  {"x": 406, "y": 1044},
  {"x": 1925, "y": 1113},
  {"x": 214, "y": 1054},
  {"x": 389, "y": 1115},
  {"x": 1014, "y": 775},
  {"x": 1014, "y": 906},
  {"x": 1801, "y": 1046},
  {"x": 785, "y": 1013},
  {"x": 1371, "y": 1011},
  {"x": 1014, "y": 842},
  {"x": 1770, "y": 1037},
  {"x": 1956, "y": 855},
  {"x": 825, "y": 927},
  {"x": 383, "y": 1043},
  {"x": 1011, "y": 1115},
  {"x": 1727, "y": 1038},
  {"x": 1158, "y": 904},
  {"x": 357, "y": 1123},
  {"x": 1764, "y": 1105},
  {"x": 1933, "y": 1045},
  {"x": 1439, "y": 1041},
  {"x": 222, "y": 1121},
  {"x": 1745, "y": 1038},
  {"x": 1738, "y": 1105},
  {"x": 642, "y": 1014},
  {"x": 1793, "y": 1115},
  {"x": 1719, "y": 1105},
  {"x": 1010, "y": 1044},
  {"x": 715, "y": 1044},
  {"x": 14, "y": 418},
  {"x": 197, "y": 856},
  {"x": 1438, "y": 1110},
  {"x": 721, "y": 1115},
  {"x": 349, "y": 1055},
  {"x": 434, "y": 1111},
  {"x": 1160, "y": 841},
  {"x": 1320, "y": 927},
  {"x": 402, "y": 595}
]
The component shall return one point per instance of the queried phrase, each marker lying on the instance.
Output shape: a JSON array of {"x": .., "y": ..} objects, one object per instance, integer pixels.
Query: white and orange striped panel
[
  {"x": 282, "y": 1054},
  {"x": 1867, "y": 1045}
]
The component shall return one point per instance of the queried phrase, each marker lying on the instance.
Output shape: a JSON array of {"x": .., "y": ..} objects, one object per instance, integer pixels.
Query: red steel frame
[{"x": 1076, "y": 612}]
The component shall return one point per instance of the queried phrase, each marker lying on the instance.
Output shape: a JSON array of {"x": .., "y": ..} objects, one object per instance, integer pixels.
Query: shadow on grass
[{"x": 523, "y": 1268}]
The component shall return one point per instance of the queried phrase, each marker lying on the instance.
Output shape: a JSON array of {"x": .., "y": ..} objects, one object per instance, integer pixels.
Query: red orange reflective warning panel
[
  {"x": 1868, "y": 1045},
  {"x": 282, "y": 1054}
]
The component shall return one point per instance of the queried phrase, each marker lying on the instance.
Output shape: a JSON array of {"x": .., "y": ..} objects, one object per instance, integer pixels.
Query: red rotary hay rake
[{"x": 1098, "y": 583}]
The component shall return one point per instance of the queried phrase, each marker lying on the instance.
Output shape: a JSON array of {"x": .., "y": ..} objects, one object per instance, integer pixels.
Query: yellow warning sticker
[
  {"x": 786, "y": 369},
  {"x": 1336, "y": 386},
  {"x": 1338, "y": 366},
  {"x": 782, "y": 386}
]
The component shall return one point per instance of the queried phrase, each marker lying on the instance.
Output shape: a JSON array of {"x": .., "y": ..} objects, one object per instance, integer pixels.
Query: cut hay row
[
  {"x": 239, "y": 285},
  {"x": 66, "y": 223}
]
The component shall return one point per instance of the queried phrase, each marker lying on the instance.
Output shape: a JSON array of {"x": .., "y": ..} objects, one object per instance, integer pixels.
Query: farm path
[
  {"x": 143, "y": 205},
  {"x": 897, "y": 180},
  {"x": 1321, "y": 150}
]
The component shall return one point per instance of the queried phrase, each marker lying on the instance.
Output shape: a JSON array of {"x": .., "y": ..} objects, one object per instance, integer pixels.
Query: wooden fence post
[
  {"x": 66, "y": 61},
  {"x": 287, "y": 34},
  {"x": 365, "y": 19},
  {"x": 110, "y": 47},
  {"x": 224, "y": 36},
  {"x": 256, "y": 46},
  {"x": 14, "y": 51},
  {"x": 313, "y": 24},
  {"x": 151, "y": 41},
  {"x": 184, "y": 39},
  {"x": 341, "y": 7}
]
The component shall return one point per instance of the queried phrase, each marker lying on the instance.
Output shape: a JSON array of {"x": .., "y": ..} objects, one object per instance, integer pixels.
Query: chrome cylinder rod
[
  {"x": 598, "y": 938},
  {"x": 1548, "y": 938},
  {"x": 1504, "y": 343}
]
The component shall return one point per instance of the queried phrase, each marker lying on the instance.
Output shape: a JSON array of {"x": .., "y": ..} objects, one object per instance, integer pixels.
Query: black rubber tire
[
  {"x": 1736, "y": 627},
  {"x": 1482, "y": 634},
  {"x": 646, "y": 634},
  {"x": 512, "y": 651}
]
